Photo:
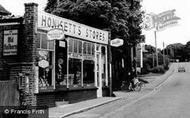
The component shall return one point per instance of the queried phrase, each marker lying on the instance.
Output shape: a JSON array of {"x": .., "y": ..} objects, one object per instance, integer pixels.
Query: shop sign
[
  {"x": 166, "y": 19},
  {"x": 10, "y": 42},
  {"x": 55, "y": 34},
  {"x": 43, "y": 64},
  {"x": 116, "y": 42},
  {"x": 160, "y": 21},
  {"x": 48, "y": 21}
]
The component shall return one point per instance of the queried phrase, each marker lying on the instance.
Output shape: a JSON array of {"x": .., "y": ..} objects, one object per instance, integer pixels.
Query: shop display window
[
  {"x": 61, "y": 63},
  {"x": 88, "y": 72},
  {"x": 75, "y": 72},
  {"x": 44, "y": 61},
  {"x": 45, "y": 68},
  {"x": 75, "y": 46}
]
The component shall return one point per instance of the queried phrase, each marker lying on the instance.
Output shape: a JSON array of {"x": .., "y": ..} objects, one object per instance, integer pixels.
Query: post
[
  {"x": 156, "y": 48},
  {"x": 109, "y": 65},
  {"x": 164, "y": 54}
]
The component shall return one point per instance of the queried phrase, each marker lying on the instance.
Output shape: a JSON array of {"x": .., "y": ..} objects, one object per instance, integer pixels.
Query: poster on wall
[{"x": 10, "y": 42}]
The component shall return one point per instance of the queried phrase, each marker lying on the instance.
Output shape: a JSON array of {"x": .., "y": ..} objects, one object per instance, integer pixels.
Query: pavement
[{"x": 155, "y": 82}]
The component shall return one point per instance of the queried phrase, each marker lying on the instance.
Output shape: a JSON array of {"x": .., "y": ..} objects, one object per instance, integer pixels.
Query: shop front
[{"x": 72, "y": 68}]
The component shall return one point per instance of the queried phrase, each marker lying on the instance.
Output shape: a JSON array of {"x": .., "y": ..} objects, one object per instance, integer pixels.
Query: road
[{"x": 172, "y": 100}]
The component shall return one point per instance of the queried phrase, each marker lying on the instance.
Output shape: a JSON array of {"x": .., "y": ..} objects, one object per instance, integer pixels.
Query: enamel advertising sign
[
  {"x": 10, "y": 42},
  {"x": 160, "y": 21},
  {"x": 117, "y": 42},
  {"x": 57, "y": 34}
]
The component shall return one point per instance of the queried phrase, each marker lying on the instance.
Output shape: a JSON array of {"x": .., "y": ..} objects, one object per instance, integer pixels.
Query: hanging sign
[
  {"x": 55, "y": 34},
  {"x": 10, "y": 42},
  {"x": 116, "y": 42}
]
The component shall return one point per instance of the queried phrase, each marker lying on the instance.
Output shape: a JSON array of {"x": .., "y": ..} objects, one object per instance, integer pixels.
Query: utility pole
[{"x": 156, "y": 48}]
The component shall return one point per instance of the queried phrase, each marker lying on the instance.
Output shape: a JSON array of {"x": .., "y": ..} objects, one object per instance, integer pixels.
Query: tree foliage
[{"x": 121, "y": 17}]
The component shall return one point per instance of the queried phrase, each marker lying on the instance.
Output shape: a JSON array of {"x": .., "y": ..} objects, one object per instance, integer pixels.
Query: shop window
[
  {"x": 61, "y": 63},
  {"x": 88, "y": 72},
  {"x": 44, "y": 41},
  {"x": 45, "y": 60},
  {"x": 75, "y": 46},
  {"x": 80, "y": 47},
  {"x": 93, "y": 49},
  {"x": 75, "y": 72},
  {"x": 45, "y": 68},
  {"x": 71, "y": 43},
  {"x": 89, "y": 48},
  {"x": 84, "y": 47}
]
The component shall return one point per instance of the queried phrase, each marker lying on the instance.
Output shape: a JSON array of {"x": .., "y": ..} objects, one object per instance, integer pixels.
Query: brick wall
[{"x": 24, "y": 61}]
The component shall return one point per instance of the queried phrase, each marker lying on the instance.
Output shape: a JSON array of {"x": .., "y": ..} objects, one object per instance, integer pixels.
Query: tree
[
  {"x": 113, "y": 15},
  {"x": 176, "y": 51}
]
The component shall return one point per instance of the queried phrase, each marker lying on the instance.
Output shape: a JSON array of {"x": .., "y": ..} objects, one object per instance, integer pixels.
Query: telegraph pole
[{"x": 156, "y": 48}]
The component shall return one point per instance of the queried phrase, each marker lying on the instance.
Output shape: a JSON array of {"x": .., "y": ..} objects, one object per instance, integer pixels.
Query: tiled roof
[{"x": 3, "y": 11}]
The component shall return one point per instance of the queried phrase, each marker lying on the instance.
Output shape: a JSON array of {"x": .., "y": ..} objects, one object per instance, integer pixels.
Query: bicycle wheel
[{"x": 137, "y": 87}]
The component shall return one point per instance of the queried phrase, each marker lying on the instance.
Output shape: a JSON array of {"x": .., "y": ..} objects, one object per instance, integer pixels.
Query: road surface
[{"x": 172, "y": 100}]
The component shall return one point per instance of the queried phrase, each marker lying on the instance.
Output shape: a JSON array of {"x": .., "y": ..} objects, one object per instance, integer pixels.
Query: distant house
[{"x": 3, "y": 11}]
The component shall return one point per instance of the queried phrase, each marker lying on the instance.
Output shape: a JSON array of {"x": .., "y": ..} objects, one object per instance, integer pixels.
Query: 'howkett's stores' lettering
[{"x": 48, "y": 21}]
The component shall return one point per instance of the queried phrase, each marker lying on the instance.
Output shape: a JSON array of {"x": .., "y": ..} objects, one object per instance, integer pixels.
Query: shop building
[{"x": 71, "y": 69}]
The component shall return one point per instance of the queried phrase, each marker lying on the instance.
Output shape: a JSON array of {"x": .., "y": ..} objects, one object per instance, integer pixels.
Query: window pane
[
  {"x": 74, "y": 72},
  {"x": 88, "y": 72},
  {"x": 70, "y": 45},
  {"x": 75, "y": 46},
  {"x": 80, "y": 47},
  {"x": 89, "y": 48},
  {"x": 51, "y": 45},
  {"x": 45, "y": 68},
  {"x": 44, "y": 41},
  {"x": 84, "y": 47},
  {"x": 38, "y": 40},
  {"x": 93, "y": 47}
]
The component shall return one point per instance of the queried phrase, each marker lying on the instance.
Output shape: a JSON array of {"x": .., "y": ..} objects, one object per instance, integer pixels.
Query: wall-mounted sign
[
  {"x": 116, "y": 42},
  {"x": 55, "y": 34},
  {"x": 48, "y": 21},
  {"x": 10, "y": 42}
]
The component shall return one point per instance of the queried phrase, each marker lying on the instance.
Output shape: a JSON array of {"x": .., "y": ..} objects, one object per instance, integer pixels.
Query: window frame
[{"x": 40, "y": 34}]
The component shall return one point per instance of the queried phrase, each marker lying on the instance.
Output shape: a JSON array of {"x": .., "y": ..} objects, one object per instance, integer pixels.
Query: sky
[{"x": 176, "y": 34}]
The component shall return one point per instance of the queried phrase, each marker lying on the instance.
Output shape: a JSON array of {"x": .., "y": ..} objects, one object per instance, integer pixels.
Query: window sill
[
  {"x": 46, "y": 89},
  {"x": 76, "y": 88}
]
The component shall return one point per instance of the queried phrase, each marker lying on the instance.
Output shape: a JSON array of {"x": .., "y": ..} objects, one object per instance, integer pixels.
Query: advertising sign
[
  {"x": 55, "y": 34},
  {"x": 10, "y": 42},
  {"x": 160, "y": 21},
  {"x": 116, "y": 42},
  {"x": 48, "y": 21}
]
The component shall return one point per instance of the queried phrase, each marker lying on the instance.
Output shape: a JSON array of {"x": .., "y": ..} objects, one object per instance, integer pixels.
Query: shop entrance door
[{"x": 98, "y": 74}]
